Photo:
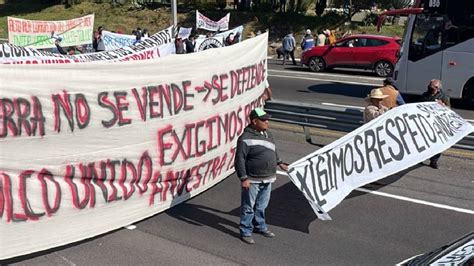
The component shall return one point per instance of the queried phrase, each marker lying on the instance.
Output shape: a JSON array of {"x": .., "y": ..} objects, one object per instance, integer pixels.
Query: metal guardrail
[{"x": 337, "y": 118}]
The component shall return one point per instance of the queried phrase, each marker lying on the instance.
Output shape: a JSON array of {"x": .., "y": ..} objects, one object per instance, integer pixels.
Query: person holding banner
[
  {"x": 375, "y": 108},
  {"x": 435, "y": 93},
  {"x": 98, "y": 42},
  {"x": 190, "y": 44},
  {"x": 255, "y": 163}
]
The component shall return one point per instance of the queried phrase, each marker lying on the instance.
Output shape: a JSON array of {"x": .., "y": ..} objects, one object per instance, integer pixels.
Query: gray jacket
[{"x": 256, "y": 155}]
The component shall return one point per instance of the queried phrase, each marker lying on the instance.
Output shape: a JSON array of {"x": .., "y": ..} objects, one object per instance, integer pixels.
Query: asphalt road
[
  {"x": 339, "y": 86},
  {"x": 366, "y": 228},
  {"x": 414, "y": 211}
]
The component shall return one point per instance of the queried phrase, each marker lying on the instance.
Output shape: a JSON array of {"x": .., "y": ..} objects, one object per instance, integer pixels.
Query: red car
[{"x": 379, "y": 53}]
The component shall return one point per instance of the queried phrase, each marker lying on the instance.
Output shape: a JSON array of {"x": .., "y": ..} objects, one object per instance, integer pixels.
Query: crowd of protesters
[{"x": 182, "y": 45}]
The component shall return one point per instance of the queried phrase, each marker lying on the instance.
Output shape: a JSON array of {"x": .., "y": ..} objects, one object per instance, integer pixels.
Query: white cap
[{"x": 308, "y": 31}]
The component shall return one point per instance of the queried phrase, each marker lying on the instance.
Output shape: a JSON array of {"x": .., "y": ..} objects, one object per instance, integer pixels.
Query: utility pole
[{"x": 174, "y": 15}]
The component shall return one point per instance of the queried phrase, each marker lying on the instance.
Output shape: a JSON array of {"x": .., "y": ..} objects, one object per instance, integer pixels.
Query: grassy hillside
[{"x": 125, "y": 18}]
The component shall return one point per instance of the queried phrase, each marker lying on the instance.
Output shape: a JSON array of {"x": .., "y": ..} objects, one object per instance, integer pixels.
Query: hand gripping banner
[
  {"x": 397, "y": 140},
  {"x": 89, "y": 148}
]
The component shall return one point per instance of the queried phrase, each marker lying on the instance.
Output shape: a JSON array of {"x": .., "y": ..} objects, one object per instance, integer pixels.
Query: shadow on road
[
  {"x": 385, "y": 181},
  {"x": 288, "y": 208},
  {"x": 199, "y": 215},
  {"x": 359, "y": 91}
]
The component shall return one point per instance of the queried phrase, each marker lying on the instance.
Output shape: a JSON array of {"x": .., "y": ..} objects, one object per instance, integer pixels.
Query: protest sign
[
  {"x": 397, "y": 140},
  {"x": 38, "y": 34},
  {"x": 89, "y": 148},
  {"x": 114, "y": 41},
  {"x": 184, "y": 32},
  {"x": 158, "y": 45},
  {"x": 217, "y": 40},
  {"x": 203, "y": 22}
]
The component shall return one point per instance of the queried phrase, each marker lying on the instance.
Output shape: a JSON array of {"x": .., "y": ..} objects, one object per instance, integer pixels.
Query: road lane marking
[
  {"x": 327, "y": 80},
  {"x": 343, "y": 105},
  {"x": 329, "y": 74},
  {"x": 403, "y": 198},
  {"x": 359, "y": 77},
  {"x": 66, "y": 260}
]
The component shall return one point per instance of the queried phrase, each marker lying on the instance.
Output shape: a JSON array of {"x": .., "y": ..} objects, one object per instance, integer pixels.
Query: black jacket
[
  {"x": 438, "y": 96},
  {"x": 256, "y": 155}
]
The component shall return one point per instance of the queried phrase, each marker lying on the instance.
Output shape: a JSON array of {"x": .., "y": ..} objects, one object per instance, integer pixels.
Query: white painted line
[
  {"x": 327, "y": 80},
  {"x": 130, "y": 227},
  {"x": 422, "y": 202},
  {"x": 329, "y": 75},
  {"x": 342, "y": 105},
  {"x": 66, "y": 260}
]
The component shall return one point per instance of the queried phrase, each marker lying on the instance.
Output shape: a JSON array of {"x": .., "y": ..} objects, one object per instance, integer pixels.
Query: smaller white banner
[
  {"x": 397, "y": 140},
  {"x": 114, "y": 41},
  {"x": 203, "y": 22},
  {"x": 38, "y": 33},
  {"x": 184, "y": 32},
  {"x": 218, "y": 40}
]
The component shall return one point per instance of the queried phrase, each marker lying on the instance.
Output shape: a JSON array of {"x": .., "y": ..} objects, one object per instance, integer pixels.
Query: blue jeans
[{"x": 253, "y": 203}]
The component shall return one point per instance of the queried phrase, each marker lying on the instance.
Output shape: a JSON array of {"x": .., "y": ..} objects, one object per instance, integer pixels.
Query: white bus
[{"x": 438, "y": 43}]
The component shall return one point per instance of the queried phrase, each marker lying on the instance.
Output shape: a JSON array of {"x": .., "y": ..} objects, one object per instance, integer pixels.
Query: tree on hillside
[
  {"x": 399, "y": 4},
  {"x": 352, "y": 7},
  {"x": 320, "y": 6}
]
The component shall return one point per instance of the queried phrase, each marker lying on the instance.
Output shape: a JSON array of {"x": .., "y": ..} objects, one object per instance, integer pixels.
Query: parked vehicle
[
  {"x": 379, "y": 53},
  {"x": 438, "y": 43}
]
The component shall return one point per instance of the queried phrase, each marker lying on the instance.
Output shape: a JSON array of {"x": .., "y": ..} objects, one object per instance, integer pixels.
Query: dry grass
[{"x": 125, "y": 19}]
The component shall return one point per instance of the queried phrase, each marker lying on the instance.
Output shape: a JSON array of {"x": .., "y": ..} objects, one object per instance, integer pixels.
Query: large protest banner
[
  {"x": 88, "y": 148},
  {"x": 157, "y": 45},
  {"x": 203, "y": 22},
  {"x": 114, "y": 41},
  {"x": 37, "y": 33},
  {"x": 395, "y": 141}
]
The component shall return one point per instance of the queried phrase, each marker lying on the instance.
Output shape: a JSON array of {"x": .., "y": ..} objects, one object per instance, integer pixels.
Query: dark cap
[
  {"x": 388, "y": 81},
  {"x": 259, "y": 113}
]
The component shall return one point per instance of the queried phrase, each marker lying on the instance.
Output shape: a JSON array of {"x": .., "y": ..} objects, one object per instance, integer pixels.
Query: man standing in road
[
  {"x": 289, "y": 45},
  {"x": 435, "y": 93},
  {"x": 256, "y": 160}
]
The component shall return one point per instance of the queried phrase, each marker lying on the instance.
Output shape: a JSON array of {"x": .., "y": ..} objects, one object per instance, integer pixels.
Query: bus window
[
  {"x": 458, "y": 31},
  {"x": 426, "y": 37}
]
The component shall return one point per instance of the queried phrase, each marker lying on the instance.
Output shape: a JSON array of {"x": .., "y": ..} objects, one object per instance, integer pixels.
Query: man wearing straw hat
[{"x": 375, "y": 107}]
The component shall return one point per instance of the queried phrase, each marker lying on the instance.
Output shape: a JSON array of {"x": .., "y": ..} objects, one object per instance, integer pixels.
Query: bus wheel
[
  {"x": 383, "y": 69},
  {"x": 468, "y": 94},
  {"x": 316, "y": 64}
]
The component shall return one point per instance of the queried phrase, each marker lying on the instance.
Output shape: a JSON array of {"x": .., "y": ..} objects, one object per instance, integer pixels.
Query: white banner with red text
[
  {"x": 38, "y": 33},
  {"x": 393, "y": 142},
  {"x": 157, "y": 45},
  {"x": 203, "y": 22},
  {"x": 89, "y": 148}
]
